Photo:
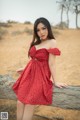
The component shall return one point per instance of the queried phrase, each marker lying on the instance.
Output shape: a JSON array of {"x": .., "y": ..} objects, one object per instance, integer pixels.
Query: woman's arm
[
  {"x": 52, "y": 61},
  {"x": 52, "y": 66}
]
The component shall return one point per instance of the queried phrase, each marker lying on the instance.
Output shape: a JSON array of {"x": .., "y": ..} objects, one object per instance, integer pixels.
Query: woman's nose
[{"x": 41, "y": 31}]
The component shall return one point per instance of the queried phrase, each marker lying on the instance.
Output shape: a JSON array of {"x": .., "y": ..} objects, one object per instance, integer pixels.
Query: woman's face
[{"x": 42, "y": 31}]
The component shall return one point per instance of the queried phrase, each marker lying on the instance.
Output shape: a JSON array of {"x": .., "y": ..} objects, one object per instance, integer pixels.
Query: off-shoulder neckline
[
  {"x": 39, "y": 48},
  {"x": 43, "y": 48}
]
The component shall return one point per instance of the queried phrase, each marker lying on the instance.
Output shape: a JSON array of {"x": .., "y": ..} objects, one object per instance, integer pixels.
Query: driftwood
[{"x": 67, "y": 98}]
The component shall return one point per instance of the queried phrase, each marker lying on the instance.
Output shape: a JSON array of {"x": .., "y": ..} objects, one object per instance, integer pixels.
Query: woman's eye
[
  {"x": 41, "y": 28},
  {"x": 44, "y": 28}
]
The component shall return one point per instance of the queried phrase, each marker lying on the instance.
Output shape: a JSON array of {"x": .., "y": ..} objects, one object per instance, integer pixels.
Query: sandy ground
[{"x": 13, "y": 55}]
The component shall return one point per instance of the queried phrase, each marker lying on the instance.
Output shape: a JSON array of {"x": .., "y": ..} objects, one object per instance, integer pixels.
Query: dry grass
[{"x": 13, "y": 55}]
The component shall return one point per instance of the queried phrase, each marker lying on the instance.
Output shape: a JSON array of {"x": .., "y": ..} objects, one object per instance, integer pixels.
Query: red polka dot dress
[{"x": 34, "y": 85}]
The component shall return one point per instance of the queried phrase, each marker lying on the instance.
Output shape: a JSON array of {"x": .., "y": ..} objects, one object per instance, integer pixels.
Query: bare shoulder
[{"x": 52, "y": 43}]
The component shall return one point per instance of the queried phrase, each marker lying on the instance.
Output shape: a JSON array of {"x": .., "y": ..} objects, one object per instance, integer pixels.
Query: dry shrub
[
  {"x": 3, "y": 24},
  {"x": 16, "y": 33},
  {"x": 12, "y": 21},
  {"x": 27, "y": 22},
  {"x": 61, "y": 25},
  {"x": 29, "y": 31},
  {"x": 2, "y": 32}
]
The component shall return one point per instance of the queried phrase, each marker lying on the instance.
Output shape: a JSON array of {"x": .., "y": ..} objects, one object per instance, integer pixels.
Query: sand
[{"x": 13, "y": 55}]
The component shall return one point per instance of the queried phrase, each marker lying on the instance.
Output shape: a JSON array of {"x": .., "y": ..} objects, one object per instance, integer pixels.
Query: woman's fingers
[
  {"x": 61, "y": 85},
  {"x": 19, "y": 71},
  {"x": 64, "y": 85}
]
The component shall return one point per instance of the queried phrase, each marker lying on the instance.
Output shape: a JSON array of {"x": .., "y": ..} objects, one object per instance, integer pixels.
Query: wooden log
[{"x": 67, "y": 98}]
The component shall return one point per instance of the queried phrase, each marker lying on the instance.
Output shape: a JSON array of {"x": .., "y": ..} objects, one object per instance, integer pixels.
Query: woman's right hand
[{"x": 20, "y": 70}]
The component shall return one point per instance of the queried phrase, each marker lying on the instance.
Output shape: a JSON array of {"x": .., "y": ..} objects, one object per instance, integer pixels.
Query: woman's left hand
[{"x": 60, "y": 85}]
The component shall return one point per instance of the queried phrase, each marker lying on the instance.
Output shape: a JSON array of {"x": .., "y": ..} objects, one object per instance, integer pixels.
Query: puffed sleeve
[{"x": 54, "y": 51}]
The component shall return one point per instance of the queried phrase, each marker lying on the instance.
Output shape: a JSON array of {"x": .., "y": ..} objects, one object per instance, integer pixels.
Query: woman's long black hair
[{"x": 36, "y": 40}]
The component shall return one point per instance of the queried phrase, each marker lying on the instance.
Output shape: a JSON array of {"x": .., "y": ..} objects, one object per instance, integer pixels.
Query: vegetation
[
  {"x": 72, "y": 6},
  {"x": 16, "y": 33},
  {"x": 2, "y": 32},
  {"x": 12, "y": 21},
  {"x": 3, "y": 24},
  {"x": 62, "y": 25},
  {"x": 29, "y": 31},
  {"x": 27, "y": 22}
]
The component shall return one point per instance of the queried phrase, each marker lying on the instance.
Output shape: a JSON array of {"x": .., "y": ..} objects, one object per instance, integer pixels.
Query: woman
[{"x": 34, "y": 86}]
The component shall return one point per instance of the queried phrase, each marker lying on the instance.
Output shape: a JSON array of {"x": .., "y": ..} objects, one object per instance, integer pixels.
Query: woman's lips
[{"x": 43, "y": 36}]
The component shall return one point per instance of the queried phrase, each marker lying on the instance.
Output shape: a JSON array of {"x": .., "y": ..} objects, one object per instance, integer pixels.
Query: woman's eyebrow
[
  {"x": 41, "y": 27},
  {"x": 44, "y": 26}
]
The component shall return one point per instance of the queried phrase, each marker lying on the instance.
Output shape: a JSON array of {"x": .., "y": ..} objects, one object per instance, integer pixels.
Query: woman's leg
[
  {"x": 20, "y": 110},
  {"x": 28, "y": 112}
]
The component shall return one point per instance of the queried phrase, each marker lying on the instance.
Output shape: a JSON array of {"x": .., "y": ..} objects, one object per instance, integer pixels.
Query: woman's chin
[{"x": 43, "y": 39}]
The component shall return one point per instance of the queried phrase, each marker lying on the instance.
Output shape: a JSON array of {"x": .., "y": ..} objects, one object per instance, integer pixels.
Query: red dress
[{"x": 34, "y": 85}]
